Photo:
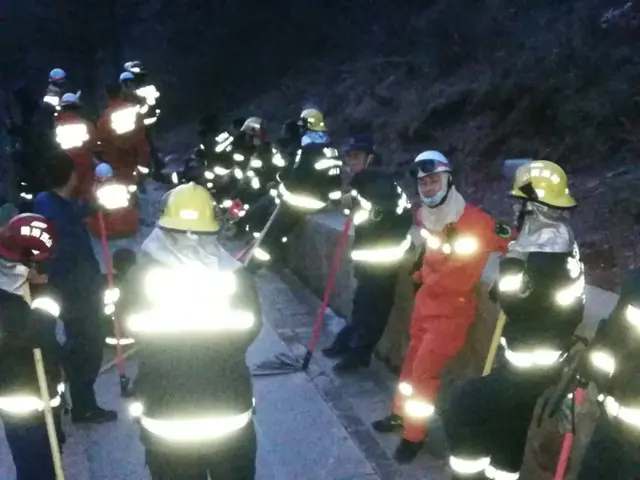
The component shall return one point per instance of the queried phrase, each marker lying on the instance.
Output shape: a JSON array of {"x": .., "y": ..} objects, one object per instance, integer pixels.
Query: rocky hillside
[
  {"x": 481, "y": 80},
  {"x": 484, "y": 81}
]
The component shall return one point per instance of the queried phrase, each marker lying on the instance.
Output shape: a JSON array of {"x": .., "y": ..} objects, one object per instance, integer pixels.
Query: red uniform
[
  {"x": 124, "y": 151},
  {"x": 77, "y": 137},
  {"x": 445, "y": 307}
]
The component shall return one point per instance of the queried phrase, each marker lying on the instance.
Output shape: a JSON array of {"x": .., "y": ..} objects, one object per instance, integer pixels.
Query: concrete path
[{"x": 311, "y": 425}]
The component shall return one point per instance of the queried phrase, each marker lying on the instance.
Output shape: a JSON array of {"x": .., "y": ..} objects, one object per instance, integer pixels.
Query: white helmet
[
  {"x": 69, "y": 99},
  {"x": 124, "y": 76},
  {"x": 430, "y": 162},
  {"x": 57, "y": 74},
  {"x": 133, "y": 67}
]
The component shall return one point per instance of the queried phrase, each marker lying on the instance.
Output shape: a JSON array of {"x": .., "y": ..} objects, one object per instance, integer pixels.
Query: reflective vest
[
  {"x": 312, "y": 180},
  {"x": 382, "y": 219},
  {"x": 22, "y": 329},
  {"x": 193, "y": 384},
  {"x": 613, "y": 361},
  {"x": 543, "y": 300}
]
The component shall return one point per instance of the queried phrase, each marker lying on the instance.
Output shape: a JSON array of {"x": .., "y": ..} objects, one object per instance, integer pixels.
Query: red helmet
[{"x": 27, "y": 237}]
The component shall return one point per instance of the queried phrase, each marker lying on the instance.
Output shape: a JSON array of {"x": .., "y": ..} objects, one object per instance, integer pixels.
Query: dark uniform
[
  {"x": 382, "y": 221},
  {"x": 193, "y": 389},
  {"x": 21, "y": 330},
  {"x": 540, "y": 289},
  {"x": 613, "y": 363},
  {"x": 307, "y": 185}
]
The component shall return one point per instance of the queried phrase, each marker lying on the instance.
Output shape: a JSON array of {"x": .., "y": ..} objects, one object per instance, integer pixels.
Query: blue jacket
[{"x": 73, "y": 269}]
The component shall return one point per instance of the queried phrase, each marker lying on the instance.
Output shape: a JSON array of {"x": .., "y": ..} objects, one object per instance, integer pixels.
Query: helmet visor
[{"x": 429, "y": 167}]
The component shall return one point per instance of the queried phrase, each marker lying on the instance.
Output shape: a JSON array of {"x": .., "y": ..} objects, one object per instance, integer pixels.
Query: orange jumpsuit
[
  {"x": 82, "y": 156},
  {"x": 445, "y": 307},
  {"x": 124, "y": 152}
]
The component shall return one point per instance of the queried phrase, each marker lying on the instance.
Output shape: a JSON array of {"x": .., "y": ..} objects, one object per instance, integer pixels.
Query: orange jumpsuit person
[
  {"x": 125, "y": 148},
  {"x": 458, "y": 239},
  {"x": 77, "y": 137}
]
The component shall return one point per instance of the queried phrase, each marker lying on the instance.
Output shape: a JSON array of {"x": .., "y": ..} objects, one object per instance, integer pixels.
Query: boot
[
  {"x": 389, "y": 424},
  {"x": 96, "y": 415},
  {"x": 335, "y": 350},
  {"x": 351, "y": 363},
  {"x": 407, "y": 451}
]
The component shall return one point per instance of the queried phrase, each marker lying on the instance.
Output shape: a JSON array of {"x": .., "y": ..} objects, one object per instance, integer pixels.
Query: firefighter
[
  {"x": 458, "y": 238},
  {"x": 195, "y": 312},
  {"x": 25, "y": 240},
  {"x": 148, "y": 96},
  {"x": 312, "y": 124},
  {"x": 125, "y": 148},
  {"x": 135, "y": 79},
  {"x": 289, "y": 142},
  {"x": 611, "y": 362},
  {"x": 76, "y": 136},
  {"x": 307, "y": 185},
  {"x": 254, "y": 204},
  {"x": 55, "y": 89},
  {"x": 382, "y": 219},
  {"x": 540, "y": 289}
]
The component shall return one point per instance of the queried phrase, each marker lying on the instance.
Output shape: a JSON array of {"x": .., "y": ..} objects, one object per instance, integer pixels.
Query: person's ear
[{"x": 369, "y": 160}]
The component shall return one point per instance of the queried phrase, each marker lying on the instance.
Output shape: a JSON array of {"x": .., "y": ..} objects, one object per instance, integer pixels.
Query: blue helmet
[{"x": 360, "y": 143}]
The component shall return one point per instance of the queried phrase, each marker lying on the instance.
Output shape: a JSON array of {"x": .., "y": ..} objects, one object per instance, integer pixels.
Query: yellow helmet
[
  {"x": 189, "y": 208},
  {"x": 313, "y": 119},
  {"x": 543, "y": 182}
]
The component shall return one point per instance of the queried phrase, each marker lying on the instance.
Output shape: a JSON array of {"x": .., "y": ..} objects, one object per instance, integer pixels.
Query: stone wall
[{"x": 310, "y": 258}]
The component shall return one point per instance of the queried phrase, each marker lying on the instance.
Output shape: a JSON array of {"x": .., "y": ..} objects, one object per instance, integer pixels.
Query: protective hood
[
  {"x": 13, "y": 278},
  {"x": 175, "y": 249},
  {"x": 544, "y": 230},
  {"x": 314, "y": 137},
  {"x": 435, "y": 219}
]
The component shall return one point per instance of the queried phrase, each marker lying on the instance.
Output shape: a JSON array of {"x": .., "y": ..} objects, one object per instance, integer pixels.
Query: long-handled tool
[
  {"x": 285, "y": 363},
  {"x": 124, "y": 380},
  {"x": 495, "y": 342},
  {"x": 567, "y": 441},
  {"x": 252, "y": 248},
  {"x": 104, "y": 173},
  {"x": 48, "y": 415},
  {"x": 52, "y": 433}
]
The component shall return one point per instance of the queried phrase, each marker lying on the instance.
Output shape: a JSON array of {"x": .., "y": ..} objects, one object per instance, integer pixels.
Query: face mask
[
  {"x": 432, "y": 201},
  {"x": 439, "y": 197}
]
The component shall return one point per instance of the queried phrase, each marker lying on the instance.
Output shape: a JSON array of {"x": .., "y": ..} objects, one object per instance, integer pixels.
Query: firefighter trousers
[
  {"x": 229, "y": 458},
  {"x": 487, "y": 419},
  {"x": 29, "y": 444},
  {"x": 431, "y": 349},
  {"x": 372, "y": 304},
  {"x": 610, "y": 454}
]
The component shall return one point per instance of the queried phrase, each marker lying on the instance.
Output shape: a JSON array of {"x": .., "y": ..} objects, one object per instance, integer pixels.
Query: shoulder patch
[{"x": 503, "y": 230}]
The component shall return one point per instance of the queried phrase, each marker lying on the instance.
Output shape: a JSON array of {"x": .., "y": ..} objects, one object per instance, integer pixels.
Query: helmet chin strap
[{"x": 522, "y": 215}]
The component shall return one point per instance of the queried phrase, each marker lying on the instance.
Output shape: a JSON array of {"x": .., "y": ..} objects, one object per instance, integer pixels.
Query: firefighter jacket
[
  {"x": 382, "y": 219},
  {"x": 260, "y": 176},
  {"x": 123, "y": 140},
  {"x": 52, "y": 96},
  {"x": 195, "y": 313},
  {"x": 451, "y": 267},
  {"x": 540, "y": 289},
  {"x": 613, "y": 359},
  {"x": 312, "y": 179},
  {"x": 77, "y": 137},
  {"x": 23, "y": 329},
  {"x": 148, "y": 97}
]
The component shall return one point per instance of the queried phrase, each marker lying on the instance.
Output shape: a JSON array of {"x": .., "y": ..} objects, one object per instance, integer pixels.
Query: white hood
[
  {"x": 13, "y": 278},
  {"x": 179, "y": 249},
  {"x": 435, "y": 219}
]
